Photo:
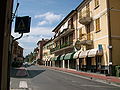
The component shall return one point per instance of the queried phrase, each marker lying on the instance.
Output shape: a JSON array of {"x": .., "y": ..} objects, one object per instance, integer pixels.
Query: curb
[{"x": 92, "y": 76}]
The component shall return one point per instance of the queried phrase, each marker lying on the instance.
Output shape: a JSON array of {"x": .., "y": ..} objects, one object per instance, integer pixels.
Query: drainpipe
[{"x": 109, "y": 37}]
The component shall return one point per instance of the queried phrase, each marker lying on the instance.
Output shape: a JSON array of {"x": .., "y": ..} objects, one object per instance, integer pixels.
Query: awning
[
  {"x": 92, "y": 53},
  {"x": 69, "y": 56},
  {"x": 56, "y": 58},
  {"x": 76, "y": 55},
  {"x": 83, "y": 54},
  {"x": 62, "y": 57}
]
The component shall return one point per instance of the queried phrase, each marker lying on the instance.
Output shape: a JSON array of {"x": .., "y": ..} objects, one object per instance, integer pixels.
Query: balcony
[
  {"x": 85, "y": 18},
  {"x": 64, "y": 32},
  {"x": 61, "y": 47},
  {"x": 87, "y": 39}
]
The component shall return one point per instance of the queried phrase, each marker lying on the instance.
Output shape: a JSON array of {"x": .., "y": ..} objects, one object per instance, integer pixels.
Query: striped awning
[
  {"x": 83, "y": 54},
  {"x": 95, "y": 52},
  {"x": 92, "y": 53},
  {"x": 76, "y": 55},
  {"x": 69, "y": 56},
  {"x": 56, "y": 58},
  {"x": 62, "y": 57}
]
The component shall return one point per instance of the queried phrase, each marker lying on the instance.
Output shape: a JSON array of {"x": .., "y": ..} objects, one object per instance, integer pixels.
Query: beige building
[
  {"x": 88, "y": 38},
  {"x": 47, "y": 55}
]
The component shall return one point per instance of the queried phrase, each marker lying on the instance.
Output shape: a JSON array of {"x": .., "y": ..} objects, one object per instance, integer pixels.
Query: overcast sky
[{"x": 45, "y": 16}]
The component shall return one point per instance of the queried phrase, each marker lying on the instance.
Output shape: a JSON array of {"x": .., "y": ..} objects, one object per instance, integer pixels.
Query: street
[{"x": 40, "y": 78}]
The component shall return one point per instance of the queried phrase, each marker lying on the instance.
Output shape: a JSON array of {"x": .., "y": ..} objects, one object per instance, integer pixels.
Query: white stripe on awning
[
  {"x": 76, "y": 55},
  {"x": 83, "y": 54}
]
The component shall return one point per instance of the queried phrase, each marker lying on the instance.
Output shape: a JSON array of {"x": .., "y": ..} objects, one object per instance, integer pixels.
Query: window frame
[
  {"x": 97, "y": 24},
  {"x": 96, "y": 3}
]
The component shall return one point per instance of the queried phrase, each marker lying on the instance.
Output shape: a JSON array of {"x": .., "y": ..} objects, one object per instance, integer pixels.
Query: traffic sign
[{"x": 22, "y": 24}]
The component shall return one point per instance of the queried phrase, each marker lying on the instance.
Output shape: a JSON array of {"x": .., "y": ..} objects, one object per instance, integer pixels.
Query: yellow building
[
  {"x": 98, "y": 30},
  {"x": 47, "y": 55},
  {"x": 88, "y": 38},
  {"x": 64, "y": 39}
]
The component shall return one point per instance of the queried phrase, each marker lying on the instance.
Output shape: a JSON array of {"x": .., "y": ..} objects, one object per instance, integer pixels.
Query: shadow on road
[
  {"x": 30, "y": 73},
  {"x": 34, "y": 73}
]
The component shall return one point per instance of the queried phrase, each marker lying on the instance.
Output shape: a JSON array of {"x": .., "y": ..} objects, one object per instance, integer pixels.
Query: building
[
  {"x": 88, "y": 38},
  {"x": 17, "y": 52},
  {"x": 47, "y": 54},
  {"x": 64, "y": 39},
  {"x": 40, "y": 50}
]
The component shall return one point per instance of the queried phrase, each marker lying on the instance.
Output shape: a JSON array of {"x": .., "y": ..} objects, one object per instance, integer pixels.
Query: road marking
[{"x": 23, "y": 84}]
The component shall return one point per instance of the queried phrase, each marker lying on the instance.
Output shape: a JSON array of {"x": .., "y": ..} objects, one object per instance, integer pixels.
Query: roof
[{"x": 73, "y": 11}]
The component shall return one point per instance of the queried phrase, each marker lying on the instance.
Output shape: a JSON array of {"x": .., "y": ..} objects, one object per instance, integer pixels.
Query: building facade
[
  {"x": 40, "y": 50},
  {"x": 88, "y": 38},
  {"x": 17, "y": 52},
  {"x": 47, "y": 54}
]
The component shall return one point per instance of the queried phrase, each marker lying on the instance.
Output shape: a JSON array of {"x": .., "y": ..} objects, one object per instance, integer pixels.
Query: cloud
[
  {"x": 42, "y": 23},
  {"x": 48, "y": 17},
  {"x": 29, "y": 40}
]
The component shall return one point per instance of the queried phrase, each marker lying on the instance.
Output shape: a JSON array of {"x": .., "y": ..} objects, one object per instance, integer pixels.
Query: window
[
  {"x": 80, "y": 34},
  {"x": 88, "y": 10},
  {"x": 96, "y": 4},
  {"x": 97, "y": 22},
  {"x": 70, "y": 23},
  {"x": 80, "y": 14}
]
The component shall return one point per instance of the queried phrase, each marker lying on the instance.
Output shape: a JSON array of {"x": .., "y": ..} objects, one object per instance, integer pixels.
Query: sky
[{"x": 45, "y": 16}]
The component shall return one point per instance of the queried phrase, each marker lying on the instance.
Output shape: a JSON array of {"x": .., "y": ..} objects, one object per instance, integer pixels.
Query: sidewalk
[{"x": 104, "y": 78}]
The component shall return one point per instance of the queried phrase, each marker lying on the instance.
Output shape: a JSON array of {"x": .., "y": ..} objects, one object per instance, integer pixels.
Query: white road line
[{"x": 23, "y": 84}]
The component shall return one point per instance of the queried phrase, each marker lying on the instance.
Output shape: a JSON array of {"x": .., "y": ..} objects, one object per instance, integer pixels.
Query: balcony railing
[
  {"x": 85, "y": 17},
  {"x": 61, "y": 46},
  {"x": 87, "y": 39}
]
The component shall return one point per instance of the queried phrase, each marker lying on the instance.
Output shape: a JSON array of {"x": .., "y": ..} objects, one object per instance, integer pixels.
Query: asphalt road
[{"x": 45, "y": 79}]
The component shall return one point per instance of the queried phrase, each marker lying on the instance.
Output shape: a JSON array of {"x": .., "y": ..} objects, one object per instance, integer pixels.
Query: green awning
[
  {"x": 62, "y": 57},
  {"x": 69, "y": 56},
  {"x": 56, "y": 58}
]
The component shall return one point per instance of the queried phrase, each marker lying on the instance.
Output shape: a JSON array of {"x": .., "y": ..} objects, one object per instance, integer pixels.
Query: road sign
[{"x": 22, "y": 24}]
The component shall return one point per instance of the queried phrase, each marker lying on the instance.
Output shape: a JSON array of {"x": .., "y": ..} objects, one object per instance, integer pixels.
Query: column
[
  {"x": 50, "y": 63},
  {"x": 63, "y": 63},
  {"x": 68, "y": 64},
  {"x": 77, "y": 64}
]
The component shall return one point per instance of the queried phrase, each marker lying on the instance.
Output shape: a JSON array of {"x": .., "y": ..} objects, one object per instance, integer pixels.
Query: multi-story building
[
  {"x": 64, "y": 39},
  {"x": 17, "y": 52},
  {"x": 40, "y": 50},
  {"x": 89, "y": 37},
  {"x": 47, "y": 55}
]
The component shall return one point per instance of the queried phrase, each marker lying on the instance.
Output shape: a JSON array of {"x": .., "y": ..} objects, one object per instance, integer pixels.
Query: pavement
[{"x": 94, "y": 76}]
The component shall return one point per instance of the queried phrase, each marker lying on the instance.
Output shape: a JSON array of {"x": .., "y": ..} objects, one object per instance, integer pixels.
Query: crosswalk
[{"x": 23, "y": 85}]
